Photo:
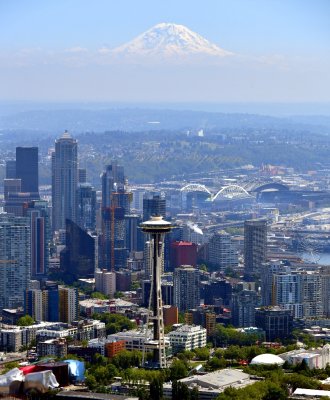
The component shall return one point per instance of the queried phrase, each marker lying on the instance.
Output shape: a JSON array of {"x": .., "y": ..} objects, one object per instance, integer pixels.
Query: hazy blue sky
[{"x": 284, "y": 44}]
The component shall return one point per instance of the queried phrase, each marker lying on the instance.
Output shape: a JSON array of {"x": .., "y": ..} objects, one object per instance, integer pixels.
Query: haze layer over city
[{"x": 165, "y": 199}]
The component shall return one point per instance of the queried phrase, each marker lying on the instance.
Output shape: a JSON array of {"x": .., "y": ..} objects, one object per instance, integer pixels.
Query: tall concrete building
[
  {"x": 15, "y": 260},
  {"x": 255, "y": 246},
  {"x": 294, "y": 289},
  {"x": 243, "y": 308},
  {"x": 222, "y": 251},
  {"x": 64, "y": 181},
  {"x": 27, "y": 168},
  {"x": 183, "y": 253},
  {"x": 105, "y": 282},
  {"x": 186, "y": 280},
  {"x": 68, "y": 304}
]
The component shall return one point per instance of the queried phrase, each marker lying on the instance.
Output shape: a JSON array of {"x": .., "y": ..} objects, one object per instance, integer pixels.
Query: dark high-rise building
[
  {"x": 255, "y": 246},
  {"x": 276, "y": 322},
  {"x": 22, "y": 180},
  {"x": 64, "y": 181},
  {"x": 243, "y": 308},
  {"x": 167, "y": 292},
  {"x": 134, "y": 235},
  {"x": 78, "y": 259},
  {"x": 82, "y": 175},
  {"x": 220, "y": 290},
  {"x": 86, "y": 206},
  {"x": 153, "y": 205},
  {"x": 115, "y": 205},
  {"x": 27, "y": 168},
  {"x": 11, "y": 169},
  {"x": 38, "y": 213}
]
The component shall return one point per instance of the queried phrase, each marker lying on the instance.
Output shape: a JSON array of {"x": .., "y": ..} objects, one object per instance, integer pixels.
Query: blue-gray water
[{"x": 320, "y": 258}]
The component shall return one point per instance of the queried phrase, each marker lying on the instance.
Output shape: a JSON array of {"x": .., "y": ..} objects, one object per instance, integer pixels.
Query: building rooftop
[
  {"x": 311, "y": 393},
  {"x": 72, "y": 394},
  {"x": 187, "y": 328},
  {"x": 217, "y": 379}
]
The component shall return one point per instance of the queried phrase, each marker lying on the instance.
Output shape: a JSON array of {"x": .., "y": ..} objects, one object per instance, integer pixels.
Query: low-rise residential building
[
  {"x": 107, "y": 347},
  {"x": 12, "y": 337},
  {"x": 80, "y": 330},
  {"x": 136, "y": 339},
  {"x": 52, "y": 347}
]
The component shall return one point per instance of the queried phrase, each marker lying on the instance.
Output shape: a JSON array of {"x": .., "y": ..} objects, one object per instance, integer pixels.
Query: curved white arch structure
[
  {"x": 232, "y": 192},
  {"x": 195, "y": 187}
]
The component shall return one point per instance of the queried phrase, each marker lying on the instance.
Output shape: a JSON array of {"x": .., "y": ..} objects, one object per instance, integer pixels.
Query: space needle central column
[{"x": 157, "y": 228}]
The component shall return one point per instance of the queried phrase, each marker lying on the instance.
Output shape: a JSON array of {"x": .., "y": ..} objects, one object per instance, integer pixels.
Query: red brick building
[{"x": 183, "y": 253}]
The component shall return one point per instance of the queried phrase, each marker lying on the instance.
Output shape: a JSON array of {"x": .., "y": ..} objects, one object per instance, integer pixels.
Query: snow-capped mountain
[{"x": 169, "y": 40}]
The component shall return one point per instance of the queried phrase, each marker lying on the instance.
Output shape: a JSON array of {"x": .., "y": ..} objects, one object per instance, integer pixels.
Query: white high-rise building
[
  {"x": 105, "y": 282},
  {"x": 15, "y": 260},
  {"x": 222, "y": 251}
]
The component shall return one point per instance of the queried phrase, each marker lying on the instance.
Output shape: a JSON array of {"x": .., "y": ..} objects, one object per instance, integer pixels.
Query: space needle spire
[{"x": 156, "y": 228}]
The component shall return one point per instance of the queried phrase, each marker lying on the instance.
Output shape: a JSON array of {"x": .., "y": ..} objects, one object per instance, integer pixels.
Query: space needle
[{"x": 156, "y": 228}]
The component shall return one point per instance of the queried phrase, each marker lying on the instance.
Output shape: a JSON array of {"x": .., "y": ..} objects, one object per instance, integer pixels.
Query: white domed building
[{"x": 267, "y": 359}]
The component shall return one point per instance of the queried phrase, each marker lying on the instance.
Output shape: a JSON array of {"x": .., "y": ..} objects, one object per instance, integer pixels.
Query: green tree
[
  {"x": 27, "y": 320},
  {"x": 156, "y": 389},
  {"x": 274, "y": 392},
  {"x": 202, "y": 353},
  {"x": 178, "y": 370},
  {"x": 99, "y": 295},
  {"x": 215, "y": 363}
]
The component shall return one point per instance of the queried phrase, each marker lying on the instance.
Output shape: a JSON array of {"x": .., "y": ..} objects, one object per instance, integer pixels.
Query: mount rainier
[{"x": 167, "y": 40}]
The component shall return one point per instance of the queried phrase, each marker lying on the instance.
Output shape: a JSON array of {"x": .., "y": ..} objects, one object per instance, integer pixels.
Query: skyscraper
[
  {"x": 38, "y": 213},
  {"x": 186, "y": 281},
  {"x": 243, "y": 308},
  {"x": 153, "y": 205},
  {"x": 255, "y": 246},
  {"x": 183, "y": 253},
  {"x": 68, "y": 304},
  {"x": 79, "y": 258},
  {"x": 86, "y": 206},
  {"x": 222, "y": 251},
  {"x": 27, "y": 168},
  {"x": 15, "y": 260},
  {"x": 115, "y": 205},
  {"x": 64, "y": 181},
  {"x": 11, "y": 169}
]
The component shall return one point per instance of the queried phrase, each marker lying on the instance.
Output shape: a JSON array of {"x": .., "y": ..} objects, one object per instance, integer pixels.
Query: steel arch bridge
[
  {"x": 232, "y": 192},
  {"x": 195, "y": 187}
]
